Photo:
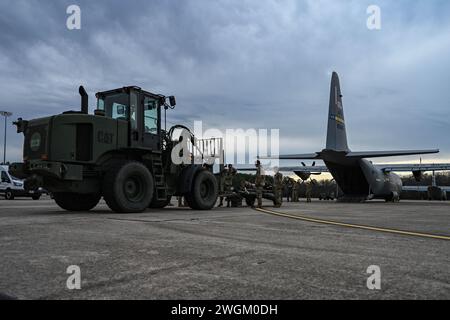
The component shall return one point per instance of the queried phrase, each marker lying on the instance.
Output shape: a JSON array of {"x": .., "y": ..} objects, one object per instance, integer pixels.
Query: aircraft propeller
[{"x": 307, "y": 175}]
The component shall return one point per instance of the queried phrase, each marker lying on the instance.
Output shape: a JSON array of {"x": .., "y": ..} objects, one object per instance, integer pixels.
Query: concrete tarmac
[{"x": 226, "y": 253}]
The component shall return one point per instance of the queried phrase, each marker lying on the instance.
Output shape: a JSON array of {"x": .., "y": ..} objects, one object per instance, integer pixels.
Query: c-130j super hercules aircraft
[{"x": 358, "y": 178}]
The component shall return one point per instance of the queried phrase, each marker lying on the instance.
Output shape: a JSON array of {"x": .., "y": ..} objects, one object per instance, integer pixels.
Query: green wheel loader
[{"x": 120, "y": 153}]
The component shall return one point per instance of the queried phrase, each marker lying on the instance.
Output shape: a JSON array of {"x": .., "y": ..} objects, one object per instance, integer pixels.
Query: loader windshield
[{"x": 115, "y": 106}]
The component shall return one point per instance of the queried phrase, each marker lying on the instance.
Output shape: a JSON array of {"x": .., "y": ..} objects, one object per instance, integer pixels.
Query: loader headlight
[{"x": 35, "y": 141}]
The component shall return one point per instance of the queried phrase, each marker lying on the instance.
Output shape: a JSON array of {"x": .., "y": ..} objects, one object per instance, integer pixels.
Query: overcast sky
[{"x": 241, "y": 64}]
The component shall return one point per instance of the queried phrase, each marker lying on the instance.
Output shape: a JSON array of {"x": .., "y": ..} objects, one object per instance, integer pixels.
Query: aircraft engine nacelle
[
  {"x": 418, "y": 175},
  {"x": 303, "y": 175}
]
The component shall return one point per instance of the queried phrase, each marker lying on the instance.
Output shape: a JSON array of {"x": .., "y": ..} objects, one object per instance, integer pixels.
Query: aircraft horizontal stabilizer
[
  {"x": 381, "y": 154},
  {"x": 413, "y": 167},
  {"x": 310, "y": 169}
]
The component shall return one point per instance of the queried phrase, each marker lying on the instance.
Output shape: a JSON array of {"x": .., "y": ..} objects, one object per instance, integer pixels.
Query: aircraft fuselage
[{"x": 360, "y": 179}]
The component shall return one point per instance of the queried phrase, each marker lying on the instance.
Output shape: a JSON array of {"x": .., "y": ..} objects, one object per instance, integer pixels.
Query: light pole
[{"x": 5, "y": 114}]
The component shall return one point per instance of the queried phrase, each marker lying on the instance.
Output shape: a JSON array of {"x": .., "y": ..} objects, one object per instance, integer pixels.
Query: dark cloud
[{"x": 240, "y": 64}]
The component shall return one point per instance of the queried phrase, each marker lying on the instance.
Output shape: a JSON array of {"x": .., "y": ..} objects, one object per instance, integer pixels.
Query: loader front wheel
[{"x": 204, "y": 192}]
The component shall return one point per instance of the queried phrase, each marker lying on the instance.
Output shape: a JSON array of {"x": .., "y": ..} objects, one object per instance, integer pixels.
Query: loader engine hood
[
  {"x": 73, "y": 137},
  {"x": 36, "y": 144}
]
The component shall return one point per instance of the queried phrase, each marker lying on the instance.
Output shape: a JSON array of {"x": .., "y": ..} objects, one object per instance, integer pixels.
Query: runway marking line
[{"x": 354, "y": 226}]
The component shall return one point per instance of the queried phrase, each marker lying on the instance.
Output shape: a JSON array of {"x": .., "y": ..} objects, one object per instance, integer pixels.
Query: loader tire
[
  {"x": 204, "y": 192},
  {"x": 128, "y": 187},
  {"x": 76, "y": 201}
]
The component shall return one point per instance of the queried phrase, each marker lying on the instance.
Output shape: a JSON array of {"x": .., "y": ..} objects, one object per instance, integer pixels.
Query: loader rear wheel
[
  {"x": 76, "y": 202},
  {"x": 128, "y": 187},
  {"x": 204, "y": 193}
]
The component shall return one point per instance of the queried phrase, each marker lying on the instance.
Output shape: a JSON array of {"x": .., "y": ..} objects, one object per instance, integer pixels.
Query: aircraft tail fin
[{"x": 336, "y": 133}]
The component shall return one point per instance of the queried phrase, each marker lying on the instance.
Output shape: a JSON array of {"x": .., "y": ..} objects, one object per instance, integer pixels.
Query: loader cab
[{"x": 142, "y": 111}]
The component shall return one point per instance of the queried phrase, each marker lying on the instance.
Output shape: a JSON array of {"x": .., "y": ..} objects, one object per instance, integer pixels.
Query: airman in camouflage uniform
[
  {"x": 290, "y": 189},
  {"x": 231, "y": 172},
  {"x": 278, "y": 188},
  {"x": 308, "y": 191},
  {"x": 259, "y": 183},
  {"x": 295, "y": 191},
  {"x": 223, "y": 174}
]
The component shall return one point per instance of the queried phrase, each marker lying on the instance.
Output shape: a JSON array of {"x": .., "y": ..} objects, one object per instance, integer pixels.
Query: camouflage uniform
[
  {"x": 228, "y": 182},
  {"x": 223, "y": 174},
  {"x": 290, "y": 189},
  {"x": 308, "y": 191},
  {"x": 278, "y": 189},
  {"x": 259, "y": 184},
  {"x": 295, "y": 191}
]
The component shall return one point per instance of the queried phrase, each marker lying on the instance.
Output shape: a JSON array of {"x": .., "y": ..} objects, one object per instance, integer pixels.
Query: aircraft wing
[
  {"x": 413, "y": 167},
  {"x": 306, "y": 169},
  {"x": 380, "y": 154},
  {"x": 307, "y": 156},
  {"x": 423, "y": 188},
  {"x": 415, "y": 188}
]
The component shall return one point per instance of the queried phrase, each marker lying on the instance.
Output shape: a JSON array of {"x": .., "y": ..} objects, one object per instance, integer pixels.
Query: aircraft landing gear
[{"x": 394, "y": 197}]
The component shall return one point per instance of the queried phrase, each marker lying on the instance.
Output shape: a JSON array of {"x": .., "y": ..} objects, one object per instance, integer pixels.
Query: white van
[{"x": 12, "y": 187}]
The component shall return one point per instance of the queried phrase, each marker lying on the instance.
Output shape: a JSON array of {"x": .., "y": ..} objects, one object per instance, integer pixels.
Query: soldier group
[
  {"x": 226, "y": 184},
  {"x": 282, "y": 187},
  {"x": 292, "y": 189}
]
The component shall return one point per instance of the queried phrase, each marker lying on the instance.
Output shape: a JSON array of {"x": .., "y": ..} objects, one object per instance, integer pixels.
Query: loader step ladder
[{"x": 160, "y": 183}]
